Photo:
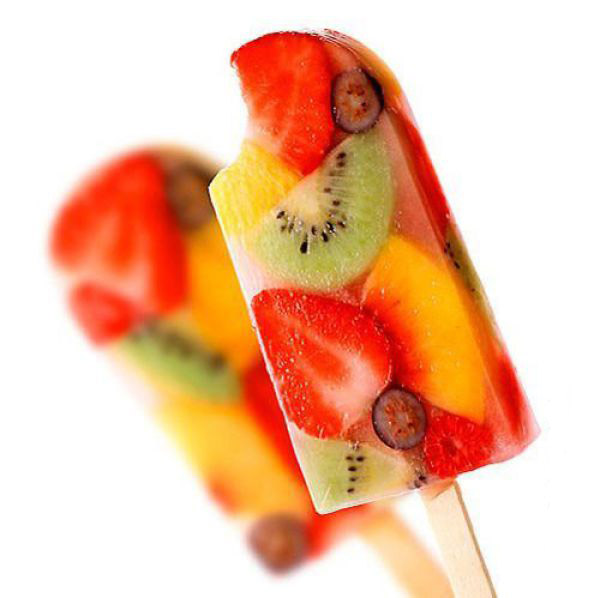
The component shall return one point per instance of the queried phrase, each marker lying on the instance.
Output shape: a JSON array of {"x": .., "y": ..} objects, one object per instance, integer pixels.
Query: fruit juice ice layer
[
  {"x": 375, "y": 328},
  {"x": 150, "y": 281}
]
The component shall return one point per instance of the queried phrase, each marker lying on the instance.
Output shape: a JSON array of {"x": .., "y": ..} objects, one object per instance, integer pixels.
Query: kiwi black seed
[
  {"x": 419, "y": 481},
  {"x": 399, "y": 419},
  {"x": 164, "y": 350},
  {"x": 332, "y": 225},
  {"x": 356, "y": 462},
  {"x": 356, "y": 100},
  {"x": 280, "y": 541}
]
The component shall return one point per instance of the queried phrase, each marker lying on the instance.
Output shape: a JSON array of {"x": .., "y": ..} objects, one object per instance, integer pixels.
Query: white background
[{"x": 93, "y": 500}]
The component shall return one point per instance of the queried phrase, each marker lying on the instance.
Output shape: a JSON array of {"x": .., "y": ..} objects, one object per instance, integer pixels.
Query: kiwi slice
[
  {"x": 334, "y": 222},
  {"x": 460, "y": 261},
  {"x": 341, "y": 473},
  {"x": 176, "y": 359}
]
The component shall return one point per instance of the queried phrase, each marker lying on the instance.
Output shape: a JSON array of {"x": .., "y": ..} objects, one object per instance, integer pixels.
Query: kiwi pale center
[{"x": 317, "y": 210}]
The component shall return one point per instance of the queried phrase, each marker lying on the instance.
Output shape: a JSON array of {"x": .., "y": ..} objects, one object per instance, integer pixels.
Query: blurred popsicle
[{"x": 149, "y": 280}]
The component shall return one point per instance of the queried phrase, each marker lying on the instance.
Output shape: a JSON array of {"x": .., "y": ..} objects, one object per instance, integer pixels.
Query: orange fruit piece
[
  {"x": 233, "y": 455},
  {"x": 428, "y": 317},
  {"x": 216, "y": 301}
]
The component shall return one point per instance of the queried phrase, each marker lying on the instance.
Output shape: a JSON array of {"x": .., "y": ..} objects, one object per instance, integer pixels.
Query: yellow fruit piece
[
  {"x": 216, "y": 301},
  {"x": 254, "y": 184},
  {"x": 428, "y": 318},
  {"x": 234, "y": 458}
]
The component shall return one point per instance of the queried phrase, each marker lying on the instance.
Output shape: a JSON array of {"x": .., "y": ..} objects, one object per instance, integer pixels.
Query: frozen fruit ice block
[
  {"x": 376, "y": 331},
  {"x": 149, "y": 280}
]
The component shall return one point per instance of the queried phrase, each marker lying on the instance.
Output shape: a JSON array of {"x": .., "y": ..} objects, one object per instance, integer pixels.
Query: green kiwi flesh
[
  {"x": 331, "y": 226},
  {"x": 180, "y": 361},
  {"x": 342, "y": 474},
  {"x": 460, "y": 261}
]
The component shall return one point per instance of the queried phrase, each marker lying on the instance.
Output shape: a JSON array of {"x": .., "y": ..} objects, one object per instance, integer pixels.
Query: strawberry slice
[
  {"x": 103, "y": 315},
  {"x": 117, "y": 229},
  {"x": 329, "y": 360},
  {"x": 454, "y": 444},
  {"x": 286, "y": 83}
]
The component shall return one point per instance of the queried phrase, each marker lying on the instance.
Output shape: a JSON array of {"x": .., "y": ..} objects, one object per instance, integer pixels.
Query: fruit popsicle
[
  {"x": 178, "y": 320},
  {"x": 376, "y": 331}
]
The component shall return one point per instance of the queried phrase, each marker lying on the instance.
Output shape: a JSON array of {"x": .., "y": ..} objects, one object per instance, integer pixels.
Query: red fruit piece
[
  {"x": 513, "y": 401},
  {"x": 286, "y": 83},
  {"x": 454, "y": 444},
  {"x": 436, "y": 200},
  {"x": 118, "y": 229},
  {"x": 329, "y": 359},
  {"x": 103, "y": 315},
  {"x": 262, "y": 402}
]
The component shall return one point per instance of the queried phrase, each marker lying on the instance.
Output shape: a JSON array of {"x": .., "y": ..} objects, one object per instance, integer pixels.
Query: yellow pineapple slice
[{"x": 252, "y": 186}]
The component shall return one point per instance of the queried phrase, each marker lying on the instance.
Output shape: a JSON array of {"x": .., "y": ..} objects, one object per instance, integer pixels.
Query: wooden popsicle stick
[
  {"x": 405, "y": 556},
  {"x": 452, "y": 526}
]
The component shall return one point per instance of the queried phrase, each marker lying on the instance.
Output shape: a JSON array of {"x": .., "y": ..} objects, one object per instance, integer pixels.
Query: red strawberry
[
  {"x": 286, "y": 83},
  {"x": 103, "y": 315},
  {"x": 330, "y": 360},
  {"x": 455, "y": 444},
  {"x": 118, "y": 229}
]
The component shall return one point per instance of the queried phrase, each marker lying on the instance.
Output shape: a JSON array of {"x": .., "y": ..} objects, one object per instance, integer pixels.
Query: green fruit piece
[
  {"x": 458, "y": 256},
  {"x": 333, "y": 223},
  {"x": 178, "y": 361},
  {"x": 342, "y": 474}
]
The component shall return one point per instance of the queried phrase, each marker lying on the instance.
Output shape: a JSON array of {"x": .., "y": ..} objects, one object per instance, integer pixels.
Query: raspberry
[{"x": 455, "y": 444}]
